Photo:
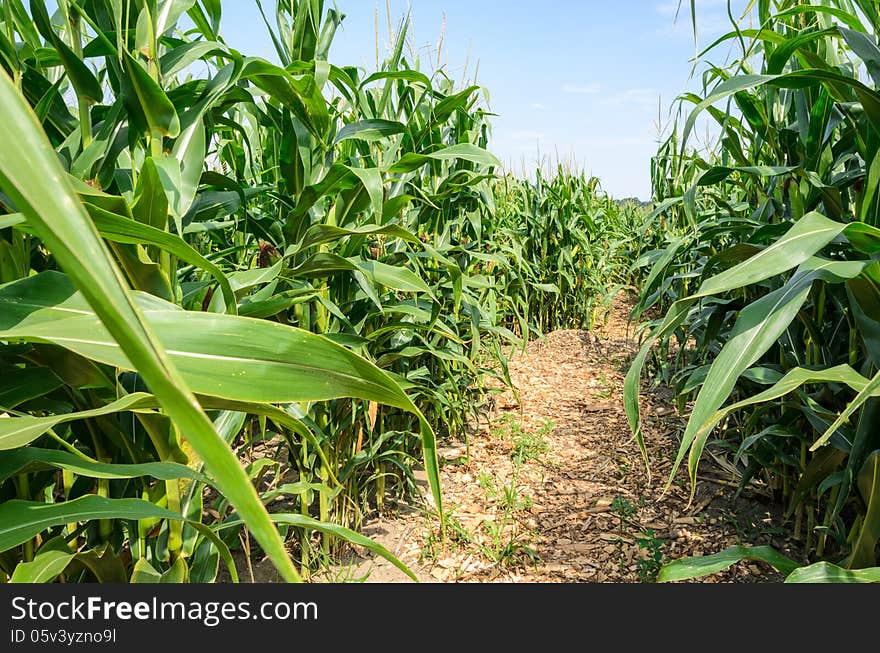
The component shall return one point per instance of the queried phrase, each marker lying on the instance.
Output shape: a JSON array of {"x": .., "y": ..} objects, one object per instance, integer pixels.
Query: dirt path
[{"x": 554, "y": 488}]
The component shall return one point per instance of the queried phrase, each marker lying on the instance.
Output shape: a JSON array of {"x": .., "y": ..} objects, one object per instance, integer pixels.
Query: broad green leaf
[
  {"x": 169, "y": 11},
  {"x": 178, "y": 59},
  {"x": 189, "y": 150},
  {"x": 370, "y": 130},
  {"x": 720, "y": 173},
  {"x": 864, "y": 299},
  {"x": 26, "y": 460},
  {"x": 18, "y": 385},
  {"x": 371, "y": 178},
  {"x": 865, "y": 545},
  {"x": 150, "y": 206},
  {"x": 144, "y": 573},
  {"x": 122, "y": 230},
  {"x": 19, "y": 431},
  {"x": 397, "y": 278},
  {"x": 222, "y": 355},
  {"x": 55, "y": 557},
  {"x": 177, "y": 574},
  {"x": 793, "y": 379},
  {"x": 49, "y": 562},
  {"x": 808, "y": 236},
  {"x": 825, "y": 572},
  {"x": 301, "y": 95},
  {"x": 322, "y": 233},
  {"x": 407, "y": 75},
  {"x": 104, "y": 565},
  {"x": 159, "y": 113},
  {"x": 871, "y": 389},
  {"x": 798, "y": 79},
  {"x": 84, "y": 82},
  {"x": 697, "y": 567},
  {"x": 464, "y": 151},
  {"x": 23, "y": 520}
]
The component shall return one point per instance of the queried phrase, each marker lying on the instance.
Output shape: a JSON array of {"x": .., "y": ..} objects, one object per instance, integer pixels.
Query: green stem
[
  {"x": 811, "y": 523},
  {"x": 380, "y": 479},
  {"x": 74, "y": 26},
  {"x": 105, "y": 526},
  {"x": 826, "y": 521},
  {"x": 24, "y": 492},
  {"x": 68, "y": 480},
  {"x": 175, "y": 526},
  {"x": 304, "y": 510},
  {"x": 322, "y": 420}
]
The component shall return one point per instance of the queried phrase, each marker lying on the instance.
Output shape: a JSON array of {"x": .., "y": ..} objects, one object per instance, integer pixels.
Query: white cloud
[
  {"x": 538, "y": 106},
  {"x": 634, "y": 97},
  {"x": 581, "y": 89}
]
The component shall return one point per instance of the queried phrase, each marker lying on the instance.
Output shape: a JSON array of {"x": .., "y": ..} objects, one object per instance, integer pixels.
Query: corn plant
[{"x": 768, "y": 280}]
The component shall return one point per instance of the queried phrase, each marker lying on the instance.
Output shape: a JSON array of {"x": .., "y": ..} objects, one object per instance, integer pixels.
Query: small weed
[
  {"x": 606, "y": 387},
  {"x": 749, "y": 529},
  {"x": 506, "y": 548},
  {"x": 623, "y": 507},
  {"x": 334, "y": 571},
  {"x": 431, "y": 546},
  {"x": 514, "y": 500},
  {"x": 457, "y": 531},
  {"x": 486, "y": 481},
  {"x": 507, "y": 496},
  {"x": 504, "y": 426},
  {"x": 648, "y": 567},
  {"x": 456, "y": 534},
  {"x": 527, "y": 445}
]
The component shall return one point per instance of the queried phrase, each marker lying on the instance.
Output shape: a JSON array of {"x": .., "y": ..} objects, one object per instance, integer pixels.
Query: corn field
[
  {"x": 229, "y": 285},
  {"x": 242, "y": 302},
  {"x": 767, "y": 285}
]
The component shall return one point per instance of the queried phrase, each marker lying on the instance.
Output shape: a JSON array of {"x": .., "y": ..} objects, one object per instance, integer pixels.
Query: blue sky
[{"x": 581, "y": 78}]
